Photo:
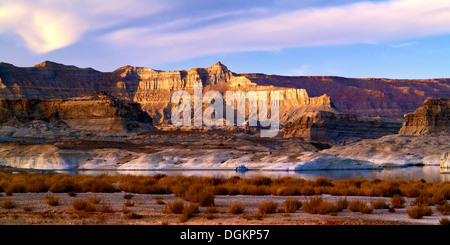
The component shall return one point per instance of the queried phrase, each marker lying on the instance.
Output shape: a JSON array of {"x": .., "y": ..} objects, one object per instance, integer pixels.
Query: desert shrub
[
  {"x": 16, "y": 187},
  {"x": 419, "y": 211},
  {"x": 422, "y": 200},
  {"x": 268, "y": 207},
  {"x": 444, "y": 221},
  {"x": 209, "y": 216},
  {"x": 8, "y": 204},
  {"x": 379, "y": 204},
  {"x": 83, "y": 205},
  {"x": 132, "y": 215},
  {"x": 311, "y": 203},
  {"x": 261, "y": 181},
  {"x": 291, "y": 205},
  {"x": 341, "y": 204},
  {"x": 9, "y": 192},
  {"x": 316, "y": 205},
  {"x": 287, "y": 191},
  {"x": 125, "y": 210},
  {"x": 438, "y": 198},
  {"x": 307, "y": 191},
  {"x": 206, "y": 199},
  {"x": 97, "y": 184},
  {"x": 397, "y": 201},
  {"x": 106, "y": 207},
  {"x": 190, "y": 210},
  {"x": 366, "y": 209},
  {"x": 356, "y": 205},
  {"x": 322, "y": 181},
  {"x": 64, "y": 184},
  {"x": 444, "y": 208},
  {"x": 26, "y": 208},
  {"x": 176, "y": 206},
  {"x": 236, "y": 208},
  {"x": 388, "y": 189},
  {"x": 211, "y": 210},
  {"x": 410, "y": 191},
  {"x": 94, "y": 199},
  {"x": 52, "y": 200},
  {"x": 259, "y": 215},
  {"x": 129, "y": 203},
  {"x": 415, "y": 213}
]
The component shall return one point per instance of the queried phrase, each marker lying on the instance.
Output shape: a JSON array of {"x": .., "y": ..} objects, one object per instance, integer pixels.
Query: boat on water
[{"x": 241, "y": 169}]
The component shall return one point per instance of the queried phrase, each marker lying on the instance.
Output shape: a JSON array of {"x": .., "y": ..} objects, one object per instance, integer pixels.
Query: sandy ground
[{"x": 151, "y": 212}]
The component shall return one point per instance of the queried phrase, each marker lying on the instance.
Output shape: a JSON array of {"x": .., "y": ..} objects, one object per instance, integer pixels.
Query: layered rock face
[
  {"x": 326, "y": 126},
  {"x": 432, "y": 118},
  {"x": 97, "y": 112},
  {"x": 371, "y": 96},
  {"x": 153, "y": 89}
]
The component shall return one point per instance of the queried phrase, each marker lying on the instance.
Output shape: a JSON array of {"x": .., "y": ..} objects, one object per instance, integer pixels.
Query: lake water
[{"x": 428, "y": 173}]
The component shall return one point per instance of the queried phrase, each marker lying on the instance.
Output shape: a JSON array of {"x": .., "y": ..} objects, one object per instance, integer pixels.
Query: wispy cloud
[
  {"x": 46, "y": 25},
  {"x": 363, "y": 22},
  {"x": 403, "y": 45}
]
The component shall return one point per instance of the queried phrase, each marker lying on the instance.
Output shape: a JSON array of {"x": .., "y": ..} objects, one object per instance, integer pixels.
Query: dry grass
[
  {"x": 8, "y": 204},
  {"x": 291, "y": 205},
  {"x": 417, "y": 212},
  {"x": 341, "y": 204},
  {"x": 94, "y": 199},
  {"x": 106, "y": 207},
  {"x": 190, "y": 210},
  {"x": 83, "y": 205},
  {"x": 202, "y": 189},
  {"x": 268, "y": 207},
  {"x": 398, "y": 201},
  {"x": 27, "y": 208},
  {"x": 444, "y": 221},
  {"x": 236, "y": 208},
  {"x": 444, "y": 208},
  {"x": 52, "y": 200},
  {"x": 176, "y": 206},
  {"x": 379, "y": 204},
  {"x": 316, "y": 205}
]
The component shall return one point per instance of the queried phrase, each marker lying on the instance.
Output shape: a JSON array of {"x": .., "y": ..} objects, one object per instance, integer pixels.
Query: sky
[{"x": 350, "y": 38}]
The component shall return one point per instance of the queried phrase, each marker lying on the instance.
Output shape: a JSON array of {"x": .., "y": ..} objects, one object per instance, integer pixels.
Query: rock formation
[
  {"x": 97, "y": 112},
  {"x": 327, "y": 126},
  {"x": 152, "y": 88},
  {"x": 432, "y": 118}
]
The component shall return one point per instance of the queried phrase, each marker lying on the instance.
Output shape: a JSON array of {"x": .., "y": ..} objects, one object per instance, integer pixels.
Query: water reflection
[{"x": 428, "y": 173}]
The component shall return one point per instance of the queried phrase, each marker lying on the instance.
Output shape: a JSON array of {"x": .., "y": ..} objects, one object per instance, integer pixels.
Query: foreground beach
[{"x": 148, "y": 209}]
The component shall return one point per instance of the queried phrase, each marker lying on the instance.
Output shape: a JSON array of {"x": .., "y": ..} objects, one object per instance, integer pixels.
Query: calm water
[{"x": 428, "y": 173}]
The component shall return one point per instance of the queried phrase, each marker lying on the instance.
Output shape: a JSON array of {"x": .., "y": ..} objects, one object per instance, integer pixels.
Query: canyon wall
[
  {"x": 431, "y": 118},
  {"x": 97, "y": 112},
  {"x": 152, "y": 89}
]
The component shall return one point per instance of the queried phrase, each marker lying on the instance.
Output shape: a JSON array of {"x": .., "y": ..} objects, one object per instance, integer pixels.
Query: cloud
[
  {"x": 179, "y": 31},
  {"x": 46, "y": 25},
  {"x": 362, "y": 22}
]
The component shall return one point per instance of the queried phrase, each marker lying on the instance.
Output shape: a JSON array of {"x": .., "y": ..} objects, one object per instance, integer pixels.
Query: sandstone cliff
[
  {"x": 326, "y": 126},
  {"x": 152, "y": 88},
  {"x": 371, "y": 96},
  {"x": 432, "y": 118},
  {"x": 97, "y": 112}
]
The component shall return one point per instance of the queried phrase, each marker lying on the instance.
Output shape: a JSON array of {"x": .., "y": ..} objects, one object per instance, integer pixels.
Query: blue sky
[{"x": 384, "y": 38}]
